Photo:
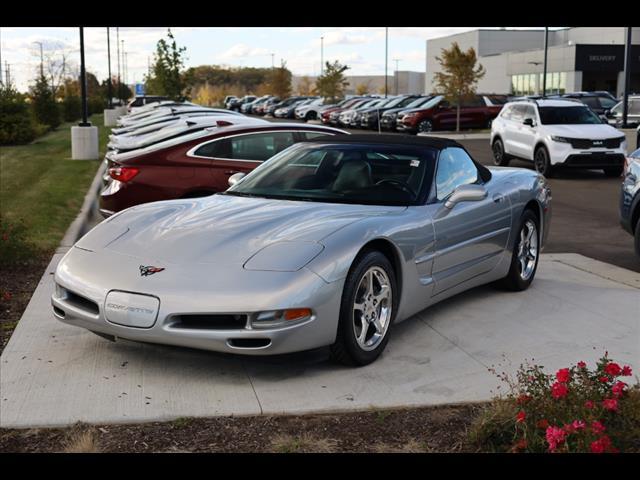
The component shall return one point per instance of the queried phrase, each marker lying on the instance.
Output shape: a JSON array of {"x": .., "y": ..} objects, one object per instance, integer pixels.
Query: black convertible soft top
[{"x": 406, "y": 140}]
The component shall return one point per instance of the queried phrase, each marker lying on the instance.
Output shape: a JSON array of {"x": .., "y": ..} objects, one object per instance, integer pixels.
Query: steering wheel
[{"x": 403, "y": 185}]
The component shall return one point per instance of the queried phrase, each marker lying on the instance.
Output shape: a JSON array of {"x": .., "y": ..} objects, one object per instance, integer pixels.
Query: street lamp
[
  {"x": 544, "y": 73},
  {"x": 84, "y": 136},
  {"x": 386, "y": 55},
  {"x": 397, "y": 60},
  {"x": 109, "y": 68},
  {"x": 321, "y": 56}
]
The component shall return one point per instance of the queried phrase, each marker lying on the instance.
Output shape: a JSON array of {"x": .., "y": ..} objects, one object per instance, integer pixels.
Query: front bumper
[
  {"x": 85, "y": 279},
  {"x": 593, "y": 160}
]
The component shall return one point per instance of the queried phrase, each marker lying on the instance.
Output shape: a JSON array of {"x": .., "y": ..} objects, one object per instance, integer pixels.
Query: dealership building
[{"x": 579, "y": 59}]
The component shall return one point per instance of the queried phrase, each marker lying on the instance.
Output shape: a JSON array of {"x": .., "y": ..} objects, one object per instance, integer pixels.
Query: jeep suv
[{"x": 553, "y": 133}]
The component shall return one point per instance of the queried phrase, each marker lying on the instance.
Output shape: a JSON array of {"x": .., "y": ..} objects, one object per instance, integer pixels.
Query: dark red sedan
[
  {"x": 196, "y": 164},
  {"x": 438, "y": 114}
]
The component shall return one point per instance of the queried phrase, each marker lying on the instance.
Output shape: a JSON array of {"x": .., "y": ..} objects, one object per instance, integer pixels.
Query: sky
[{"x": 361, "y": 48}]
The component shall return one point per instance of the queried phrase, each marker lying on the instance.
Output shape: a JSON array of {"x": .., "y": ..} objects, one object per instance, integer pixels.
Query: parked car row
[{"x": 168, "y": 151}]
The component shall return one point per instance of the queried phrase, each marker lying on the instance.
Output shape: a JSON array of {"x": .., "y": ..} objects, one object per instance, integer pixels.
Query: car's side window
[
  {"x": 518, "y": 113},
  {"x": 455, "y": 168},
  {"x": 259, "y": 146},
  {"x": 507, "y": 112},
  {"x": 529, "y": 112}
]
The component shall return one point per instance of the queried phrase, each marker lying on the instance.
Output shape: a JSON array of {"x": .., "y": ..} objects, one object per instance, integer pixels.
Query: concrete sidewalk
[{"x": 52, "y": 374}]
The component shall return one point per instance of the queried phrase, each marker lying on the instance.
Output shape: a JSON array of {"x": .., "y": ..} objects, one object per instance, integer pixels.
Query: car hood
[
  {"x": 221, "y": 229},
  {"x": 592, "y": 132}
]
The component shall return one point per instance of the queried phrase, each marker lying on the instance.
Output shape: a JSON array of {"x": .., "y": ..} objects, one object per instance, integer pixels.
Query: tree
[
  {"x": 44, "y": 104},
  {"x": 165, "y": 77},
  {"x": 458, "y": 76},
  {"x": 57, "y": 63},
  {"x": 363, "y": 88},
  {"x": 280, "y": 81},
  {"x": 305, "y": 86},
  {"x": 332, "y": 84},
  {"x": 16, "y": 122}
]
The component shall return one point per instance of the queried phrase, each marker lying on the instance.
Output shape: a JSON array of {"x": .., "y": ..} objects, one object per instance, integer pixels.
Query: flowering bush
[{"x": 573, "y": 410}]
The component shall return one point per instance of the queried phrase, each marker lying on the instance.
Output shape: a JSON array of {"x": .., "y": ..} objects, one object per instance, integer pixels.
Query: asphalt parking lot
[{"x": 585, "y": 211}]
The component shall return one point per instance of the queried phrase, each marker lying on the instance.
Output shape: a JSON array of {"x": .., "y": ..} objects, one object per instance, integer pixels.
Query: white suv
[{"x": 554, "y": 133}]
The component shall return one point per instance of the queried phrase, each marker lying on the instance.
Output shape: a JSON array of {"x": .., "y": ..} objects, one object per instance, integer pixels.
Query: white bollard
[
  {"x": 84, "y": 143},
  {"x": 110, "y": 117},
  {"x": 122, "y": 110}
]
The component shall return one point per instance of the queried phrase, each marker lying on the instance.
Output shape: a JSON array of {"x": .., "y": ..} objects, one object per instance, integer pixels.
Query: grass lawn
[{"x": 43, "y": 187}]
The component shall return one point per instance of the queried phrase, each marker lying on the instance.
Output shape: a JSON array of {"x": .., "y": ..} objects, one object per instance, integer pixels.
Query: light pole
[
  {"x": 41, "y": 60},
  {"x": 118, "y": 54},
  {"x": 397, "y": 60},
  {"x": 544, "y": 73},
  {"x": 627, "y": 78},
  {"x": 109, "y": 67},
  {"x": 321, "y": 56},
  {"x": 386, "y": 58},
  {"x": 84, "y": 136}
]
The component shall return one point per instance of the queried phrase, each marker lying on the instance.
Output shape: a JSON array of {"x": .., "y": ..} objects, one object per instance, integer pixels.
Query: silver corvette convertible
[{"x": 329, "y": 243}]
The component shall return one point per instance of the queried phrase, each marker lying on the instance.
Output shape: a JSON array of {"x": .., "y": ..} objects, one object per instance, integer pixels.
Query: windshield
[
  {"x": 360, "y": 174},
  {"x": 432, "y": 102},
  {"x": 577, "y": 115}
]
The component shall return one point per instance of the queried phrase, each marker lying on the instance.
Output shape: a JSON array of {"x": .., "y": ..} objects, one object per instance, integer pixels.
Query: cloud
[{"x": 241, "y": 50}]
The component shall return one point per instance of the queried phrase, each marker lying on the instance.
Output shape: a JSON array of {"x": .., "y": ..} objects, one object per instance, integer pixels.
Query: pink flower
[
  {"x": 544, "y": 423},
  {"x": 554, "y": 436},
  {"x": 603, "y": 379},
  {"x": 618, "y": 389},
  {"x": 626, "y": 371},
  {"x": 581, "y": 364},
  {"x": 524, "y": 398},
  {"x": 612, "y": 369},
  {"x": 563, "y": 375},
  {"x": 610, "y": 404},
  {"x": 521, "y": 416},
  {"x": 578, "y": 424},
  {"x": 589, "y": 404},
  {"x": 597, "y": 427},
  {"x": 602, "y": 445},
  {"x": 559, "y": 390}
]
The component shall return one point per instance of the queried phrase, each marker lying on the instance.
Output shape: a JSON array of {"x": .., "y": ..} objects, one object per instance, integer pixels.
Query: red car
[
  {"x": 343, "y": 105},
  {"x": 196, "y": 164},
  {"x": 438, "y": 114}
]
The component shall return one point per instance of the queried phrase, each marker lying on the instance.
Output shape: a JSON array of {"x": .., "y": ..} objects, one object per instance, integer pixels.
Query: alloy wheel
[
  {"x": 372, "y": 308},
  {"x": 425, "y": 126},
  {"x": 527, "y": 250},
  {"x": 498, "y": 153}
]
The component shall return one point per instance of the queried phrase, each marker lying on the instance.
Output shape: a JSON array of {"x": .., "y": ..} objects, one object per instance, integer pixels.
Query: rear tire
[
  {"x": 613, "y": 171},
  {"x": 500, "y": 158},
  {"x": 542, "y": 162},
  {"x": 525, "y": 255},
  {"x": 367, "y": 310}
]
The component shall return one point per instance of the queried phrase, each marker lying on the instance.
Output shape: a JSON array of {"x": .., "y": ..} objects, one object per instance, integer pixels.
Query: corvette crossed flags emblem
[{"x": 145, "y": 271}]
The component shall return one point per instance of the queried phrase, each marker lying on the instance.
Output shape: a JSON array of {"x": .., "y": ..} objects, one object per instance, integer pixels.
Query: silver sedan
[{"x": 329, "y": 243}]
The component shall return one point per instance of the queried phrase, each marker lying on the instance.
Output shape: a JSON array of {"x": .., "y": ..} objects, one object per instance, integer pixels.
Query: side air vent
[{"x": 208, "y": 322}]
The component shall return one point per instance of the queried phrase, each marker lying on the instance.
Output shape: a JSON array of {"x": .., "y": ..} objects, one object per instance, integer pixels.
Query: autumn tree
[
  {"x": 43, "y": 102},
  {"x": 363, "y": 88},
  {"x": 305, "y": 86},
  {"x": 332, "y": 83},
  {"x": 458, "y": 77},
  {"x": 165, "y": 77},
  {"x": 280, "y": 81}
]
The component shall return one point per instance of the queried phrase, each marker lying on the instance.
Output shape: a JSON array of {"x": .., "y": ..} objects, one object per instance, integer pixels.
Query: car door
[
  {"x": 471, "y": 235},
  {"x": 242, "y": 153}
]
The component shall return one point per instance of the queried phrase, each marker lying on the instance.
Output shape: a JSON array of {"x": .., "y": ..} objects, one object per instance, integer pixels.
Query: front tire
[
  {"x": 425, "y": 126},
  {"x": 500, "y": 158},
  {"x": 542, "y": 162},
  {"x": 526, "y": 251},
  {"x": 367, "y": 310}
]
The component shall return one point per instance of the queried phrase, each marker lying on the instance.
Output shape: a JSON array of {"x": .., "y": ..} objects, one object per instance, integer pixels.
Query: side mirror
[
  {"x": 235, "y": 178},
  {"x": 528, "y": 122},
  {"x": 466, "y": 193}
]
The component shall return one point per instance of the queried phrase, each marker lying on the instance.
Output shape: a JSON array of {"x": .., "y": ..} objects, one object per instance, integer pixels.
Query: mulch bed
[
  {"x": 427, "y": 429},
  {"x": 17, "y": 284}
]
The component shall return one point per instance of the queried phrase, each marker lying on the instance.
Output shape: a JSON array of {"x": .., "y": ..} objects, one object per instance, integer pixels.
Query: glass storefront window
[{"x": 525, "y": 84}]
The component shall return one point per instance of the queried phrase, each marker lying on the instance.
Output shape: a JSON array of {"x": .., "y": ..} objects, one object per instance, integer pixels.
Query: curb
[
  {"x": 596, "y": 267},
  {"x": 89, "y": 209}
]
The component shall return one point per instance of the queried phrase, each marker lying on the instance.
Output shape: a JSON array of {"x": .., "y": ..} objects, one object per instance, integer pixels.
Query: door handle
[{"x": 497, "y": 198}]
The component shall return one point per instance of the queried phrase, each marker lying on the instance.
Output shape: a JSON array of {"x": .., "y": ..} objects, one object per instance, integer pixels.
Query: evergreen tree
[
  {"x": 45, "y": 108},
  {"x": 16, "y": 121},
  {"x": 280, "y": 82}
]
